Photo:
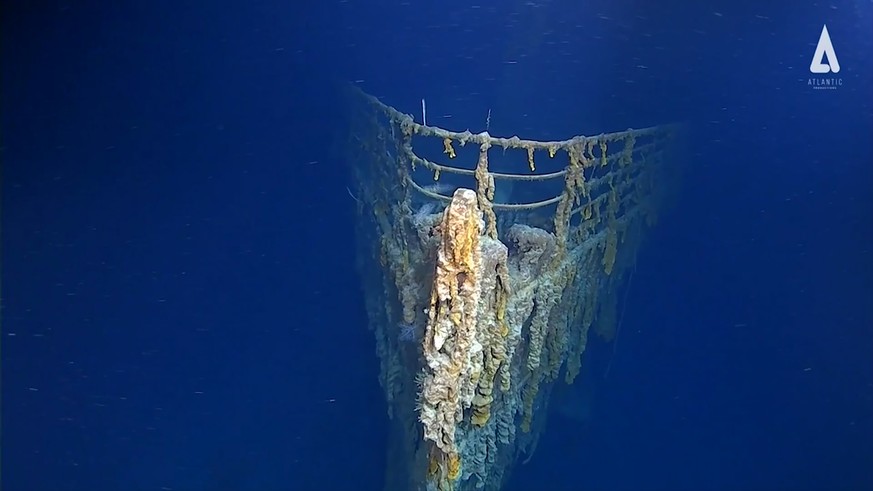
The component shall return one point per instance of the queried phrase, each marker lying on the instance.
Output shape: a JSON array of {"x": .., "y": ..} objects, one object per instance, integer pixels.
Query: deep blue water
[{"x": 180, "y": 306}]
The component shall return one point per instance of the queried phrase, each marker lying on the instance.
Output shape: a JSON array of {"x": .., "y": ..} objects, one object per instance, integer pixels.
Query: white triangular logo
[{"x": 824, "y": 47}]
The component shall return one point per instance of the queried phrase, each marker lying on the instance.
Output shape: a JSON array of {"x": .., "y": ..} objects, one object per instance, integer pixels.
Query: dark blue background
[{"x": 180, "y": 304}]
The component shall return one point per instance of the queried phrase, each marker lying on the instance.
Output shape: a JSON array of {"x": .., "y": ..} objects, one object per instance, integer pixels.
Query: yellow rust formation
[
  {"x": 499, "y": 296},
  {"x": 450, "y": 342},
  {"x": 447, "y": 148},
  {"x": 464, "y": 340}
]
